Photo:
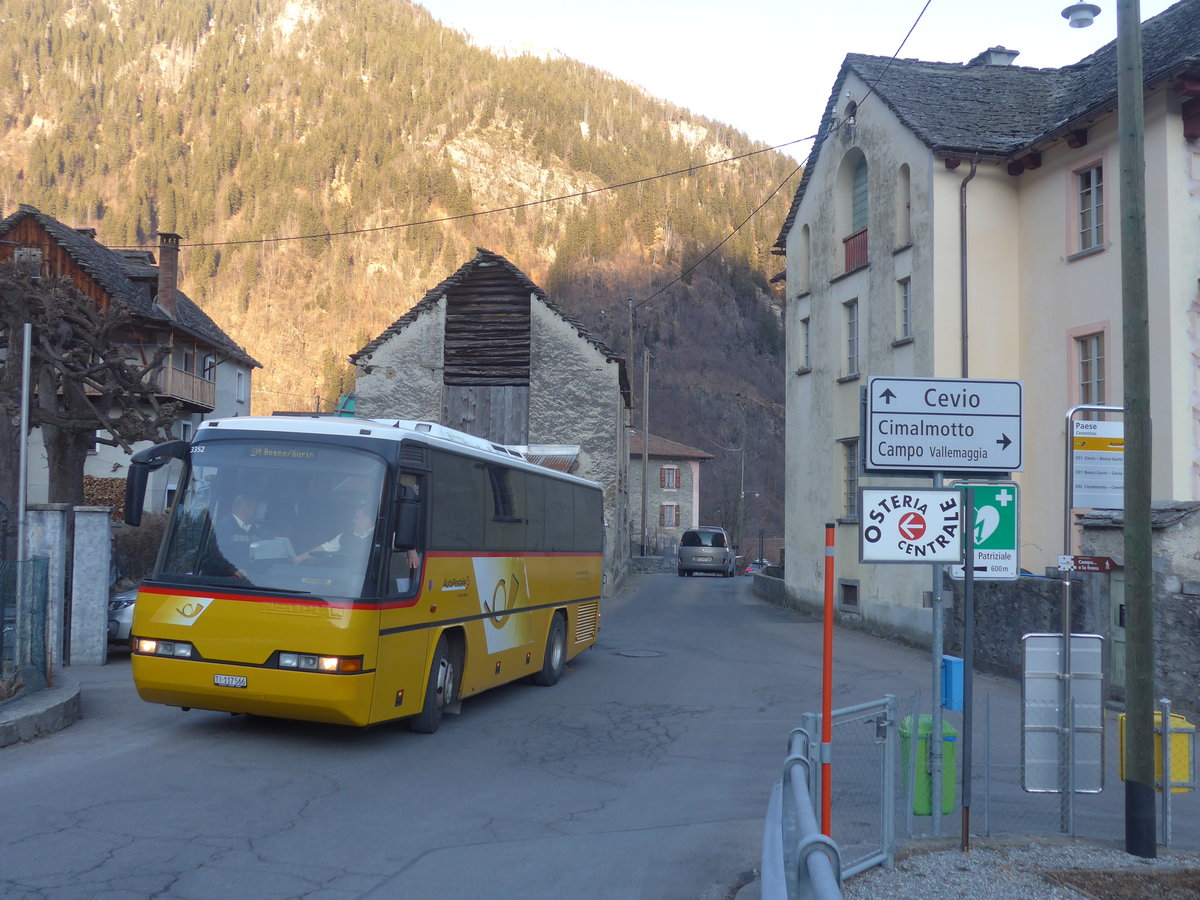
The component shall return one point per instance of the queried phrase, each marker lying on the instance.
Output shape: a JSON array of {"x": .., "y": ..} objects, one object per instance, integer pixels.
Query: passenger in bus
[{"x": 354, "y": 544}]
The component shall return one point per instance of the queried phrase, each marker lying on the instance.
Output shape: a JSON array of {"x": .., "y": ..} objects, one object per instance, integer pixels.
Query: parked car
[
  {"x": 705, "y": 549},
  {"x": 120, "y": 616}
]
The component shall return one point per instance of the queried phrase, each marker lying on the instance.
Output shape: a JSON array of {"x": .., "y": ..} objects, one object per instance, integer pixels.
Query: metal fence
[
  {"x": 24, "y": 596},
  {"x": 881, "y": 792}
]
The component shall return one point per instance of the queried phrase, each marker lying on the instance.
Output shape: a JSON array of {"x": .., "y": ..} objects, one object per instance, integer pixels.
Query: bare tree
[{"x": 85, "y": 390}]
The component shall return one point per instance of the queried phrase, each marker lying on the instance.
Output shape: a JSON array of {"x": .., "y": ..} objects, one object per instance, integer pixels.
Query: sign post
[
  {"x": 996, "y": 552},
  {"x": 910, "y": 526},
  {"x": 943, "y": 424},
  {"x": 930, "y": 426}
]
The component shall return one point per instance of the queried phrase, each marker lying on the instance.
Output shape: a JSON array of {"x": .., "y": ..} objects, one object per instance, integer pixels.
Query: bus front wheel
[
  {"x": 555, "y": 659},
  {"x": 439, "y": 692}
]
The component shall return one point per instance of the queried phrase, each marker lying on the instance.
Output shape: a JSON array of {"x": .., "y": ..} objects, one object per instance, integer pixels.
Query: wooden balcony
[
  {"x": 856, "y": 250},
  {"x": 190, "y": 389},
  {"x": 175, "y": 384}
]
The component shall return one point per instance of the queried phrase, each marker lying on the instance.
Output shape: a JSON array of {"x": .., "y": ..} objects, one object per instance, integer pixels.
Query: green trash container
[{"x": 923, "y": 777}]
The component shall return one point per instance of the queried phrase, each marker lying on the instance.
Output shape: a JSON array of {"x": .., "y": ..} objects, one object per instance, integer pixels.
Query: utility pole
[
  {"x": 630, "y": 307},
  {"x": 1135, "y": 323},
  {"x": 1135, "y": 343},
  {"x": 645, "y": 438},
  {"x": 742, "y": 502}
]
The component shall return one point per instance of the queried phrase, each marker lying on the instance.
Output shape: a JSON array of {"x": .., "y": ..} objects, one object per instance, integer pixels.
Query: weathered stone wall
[
  {"x": 1005, "y": 611},
  {"x": 1175, "y": 551},
  {"x": 575, "y": 398},
  {"x": 405, "y": 377}
]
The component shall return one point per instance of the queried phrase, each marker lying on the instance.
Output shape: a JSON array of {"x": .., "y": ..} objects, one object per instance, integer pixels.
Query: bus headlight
[
  {"x": 309, "y": 662},
  {"x": 181, "y": 649}
]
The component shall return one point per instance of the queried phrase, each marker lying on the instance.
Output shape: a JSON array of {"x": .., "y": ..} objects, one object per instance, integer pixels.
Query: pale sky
[{"x": 767, "y": 66}]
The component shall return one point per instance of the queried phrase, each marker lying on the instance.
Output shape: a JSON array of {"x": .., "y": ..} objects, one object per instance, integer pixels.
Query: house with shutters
[
  {"x": 960, "y": 221},
  {"x": 206, "y": 372},
  {"x": 488, "y": 352},
  {"x": 672, "y": 498}
]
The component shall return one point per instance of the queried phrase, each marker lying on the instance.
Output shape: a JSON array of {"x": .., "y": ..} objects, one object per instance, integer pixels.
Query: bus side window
[{"x": 402, "y": 576}]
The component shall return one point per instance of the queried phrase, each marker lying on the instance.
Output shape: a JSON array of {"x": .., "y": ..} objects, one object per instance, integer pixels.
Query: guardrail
[{"x": 798, "y": 862}]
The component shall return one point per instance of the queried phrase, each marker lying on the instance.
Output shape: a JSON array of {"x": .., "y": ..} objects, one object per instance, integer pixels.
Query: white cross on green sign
[{"x": 997, "y": 556}]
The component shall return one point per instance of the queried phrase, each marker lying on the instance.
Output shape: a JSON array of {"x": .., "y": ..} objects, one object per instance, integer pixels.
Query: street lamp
[
  {"x": 1135, "y": 342},
  {"x": 1081, "y": 15}
]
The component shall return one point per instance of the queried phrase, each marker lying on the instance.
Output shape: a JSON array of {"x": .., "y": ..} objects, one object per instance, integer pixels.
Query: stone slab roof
[
  {"x": 1163, "y": 514},
  {"x": 1000, "y": 111},
  {"x": 127, "y": 276},
  {"x": 662, "y": 447}
]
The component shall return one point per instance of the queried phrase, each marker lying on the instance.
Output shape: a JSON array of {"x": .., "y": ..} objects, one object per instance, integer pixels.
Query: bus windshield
[{"x": 278, "y": 515}]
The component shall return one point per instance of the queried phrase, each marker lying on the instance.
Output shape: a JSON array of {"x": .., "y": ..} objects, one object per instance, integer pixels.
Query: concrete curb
[{"x": 40, "y": 712}]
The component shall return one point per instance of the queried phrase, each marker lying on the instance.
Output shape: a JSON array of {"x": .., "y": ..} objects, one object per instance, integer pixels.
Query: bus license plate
[{"x": 236, "y": 681}]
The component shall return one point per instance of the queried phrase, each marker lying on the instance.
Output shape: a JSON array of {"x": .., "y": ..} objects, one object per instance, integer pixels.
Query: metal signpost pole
[
  {"x": 1067, "y": 795},
  {"x": 968, "y": 660},
  {"x": 827, "y": 688},
  {"x": 937, "y": 639}
]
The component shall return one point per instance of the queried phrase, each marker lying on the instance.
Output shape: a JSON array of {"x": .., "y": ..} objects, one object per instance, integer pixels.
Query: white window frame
[
  {"x": 904, "y": 298},
  {"x": 1089, "y": 210},
  {"x": 668, "y": 477},
  {"x": 1090, "y": 368},
  {"x": 852, "y": 336},
  {"x": 850, "y": 466},
  {"x": 668, "y": 515},
  {"x": 239, "y": 388}
]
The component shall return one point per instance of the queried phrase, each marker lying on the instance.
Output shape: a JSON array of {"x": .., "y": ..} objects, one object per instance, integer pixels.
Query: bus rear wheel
[
  {"x": 439, "y": 691},
  {"x": 555, "y": 659}
]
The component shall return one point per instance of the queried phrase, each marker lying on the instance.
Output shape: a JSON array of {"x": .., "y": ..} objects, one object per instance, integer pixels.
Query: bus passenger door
[{"x": 404, "y": 635}]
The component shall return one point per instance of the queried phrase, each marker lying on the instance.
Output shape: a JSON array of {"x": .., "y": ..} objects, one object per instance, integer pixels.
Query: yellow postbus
[{"x": 356, "y": 571}]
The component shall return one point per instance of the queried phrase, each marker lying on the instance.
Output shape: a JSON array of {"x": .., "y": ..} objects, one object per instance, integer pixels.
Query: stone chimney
[
  {"x": 995, "y": 56},
  {"x": 168, "y": 271}
]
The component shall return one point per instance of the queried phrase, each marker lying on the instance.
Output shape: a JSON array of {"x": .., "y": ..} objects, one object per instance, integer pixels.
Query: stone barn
[{"x": 489, "y": 353}]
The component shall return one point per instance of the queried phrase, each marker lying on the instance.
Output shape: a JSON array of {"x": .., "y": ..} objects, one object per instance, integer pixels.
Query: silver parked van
[{"x": 705, "y": 549}]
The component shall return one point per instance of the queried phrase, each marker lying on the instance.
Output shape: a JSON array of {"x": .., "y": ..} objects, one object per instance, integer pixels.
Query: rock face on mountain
[{"x": 328, "y": 163}]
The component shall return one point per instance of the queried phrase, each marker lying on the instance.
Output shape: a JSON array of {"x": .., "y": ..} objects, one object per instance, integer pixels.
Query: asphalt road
[{"x": 643, "y": 774}]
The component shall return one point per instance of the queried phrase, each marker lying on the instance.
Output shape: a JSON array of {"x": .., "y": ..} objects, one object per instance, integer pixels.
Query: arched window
[
  {"x": 851, "y": 209},
  {"x": 858, "y": 203},
  {"x": 804, "y": 262}
]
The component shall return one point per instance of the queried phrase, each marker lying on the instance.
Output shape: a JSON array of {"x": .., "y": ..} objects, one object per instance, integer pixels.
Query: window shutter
[
  {"x": 662, "y": 515},
  {"x": 859, "y": 198}
]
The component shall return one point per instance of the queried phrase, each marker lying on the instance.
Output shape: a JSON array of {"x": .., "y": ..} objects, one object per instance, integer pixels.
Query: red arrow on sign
[{"x": 911, "y": 526}]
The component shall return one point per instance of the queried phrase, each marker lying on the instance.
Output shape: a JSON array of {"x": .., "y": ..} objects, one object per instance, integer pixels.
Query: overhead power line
[
  {"x": 721, "y": 243},
  {"x": 325, "y": 235}
]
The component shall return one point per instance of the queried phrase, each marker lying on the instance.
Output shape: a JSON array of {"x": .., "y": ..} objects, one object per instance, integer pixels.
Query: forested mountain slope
[{"x": 241, "y": 124}]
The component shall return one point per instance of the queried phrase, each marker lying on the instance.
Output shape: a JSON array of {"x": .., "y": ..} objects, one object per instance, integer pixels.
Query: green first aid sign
[{"x": 996, "y": 555}]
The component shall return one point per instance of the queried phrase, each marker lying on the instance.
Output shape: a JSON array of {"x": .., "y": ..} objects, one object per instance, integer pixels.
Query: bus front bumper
[{"x": 307, "y": 696}]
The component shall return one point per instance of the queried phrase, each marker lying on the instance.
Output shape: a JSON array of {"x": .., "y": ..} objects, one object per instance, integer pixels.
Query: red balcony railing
[{"x": 856, "y": 250}]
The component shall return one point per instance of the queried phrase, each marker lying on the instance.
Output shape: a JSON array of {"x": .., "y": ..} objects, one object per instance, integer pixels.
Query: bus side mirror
[
  {"x": 408, "y": 520},
  {"x": 140, "y": 466}
]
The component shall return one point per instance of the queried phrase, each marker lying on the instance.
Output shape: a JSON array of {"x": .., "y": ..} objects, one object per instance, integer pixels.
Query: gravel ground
[{"x": 1029, "y": 868}]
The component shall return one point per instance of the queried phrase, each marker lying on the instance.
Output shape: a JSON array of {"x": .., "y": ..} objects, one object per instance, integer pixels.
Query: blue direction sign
[{"x": 943, "y": 425}]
